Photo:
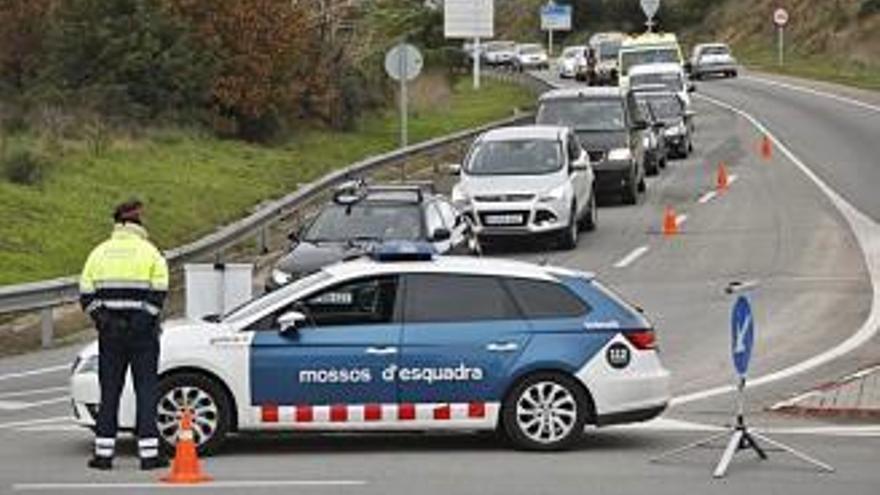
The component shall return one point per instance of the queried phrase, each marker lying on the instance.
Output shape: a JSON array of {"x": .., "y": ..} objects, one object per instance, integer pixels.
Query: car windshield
[
  {"x": 500, "y": 47},
  {"x": 366, "y": 220},
  {"x": 609, "y": 50},
  {"x": 671, "y": 81},
  {"x": 257, "y": 305},
  {"x": 531, "y": 49},
  {"x": 593, "y": 115},
  {"x": 629, "y": 59},
  {"x": 573, "y": 52},
  {"x": 666, "y": 107},
  {"x": 519, "y": 157},
  {"x": 715, "y": 50}
]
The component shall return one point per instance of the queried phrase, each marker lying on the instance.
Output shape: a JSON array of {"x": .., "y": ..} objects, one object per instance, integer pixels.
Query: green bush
[
  {"x": 869, "y": 8},
  {"x": 24, "y": 167}
]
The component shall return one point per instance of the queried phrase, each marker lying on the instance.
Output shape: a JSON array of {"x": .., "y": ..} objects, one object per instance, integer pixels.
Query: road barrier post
[{"x": 47, "y": 327}]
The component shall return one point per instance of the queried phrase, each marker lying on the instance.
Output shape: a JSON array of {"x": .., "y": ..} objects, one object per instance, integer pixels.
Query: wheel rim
[
  {"x": 205, "y": 414},
  {"x": 546, "y": 412}
]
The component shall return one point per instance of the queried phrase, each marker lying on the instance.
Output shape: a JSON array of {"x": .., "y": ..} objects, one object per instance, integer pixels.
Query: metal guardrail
[{"x": 45, "y": 295}]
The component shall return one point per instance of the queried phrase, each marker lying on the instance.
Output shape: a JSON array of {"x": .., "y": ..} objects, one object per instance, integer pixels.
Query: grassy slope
[
  {"x": 193, "y": 183},
  {"x": 825, "y": 40}
]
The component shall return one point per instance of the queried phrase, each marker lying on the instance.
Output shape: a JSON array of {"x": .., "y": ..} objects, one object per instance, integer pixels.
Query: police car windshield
[
  {"x": 518, "y": 157},
  {"x": 593, "y": 115},
  {"x": 671, "y": 81},
  {"x": 632, "y": 58},
  {"x": 259, "y": 304},
  {"x": 367, "y": 220},
  {"x": 666, "y": 106}
]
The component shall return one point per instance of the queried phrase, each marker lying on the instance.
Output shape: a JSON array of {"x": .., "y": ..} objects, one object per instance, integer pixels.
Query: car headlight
[
  {"x": 281, "y": 277},
  {"x": 676, "y": 130},
  {"x": 86, "y": 365},
  {"x": 619, "y": 155},
  {"x": 555, "y": 194},
  {"x": 460, "y": 198}
]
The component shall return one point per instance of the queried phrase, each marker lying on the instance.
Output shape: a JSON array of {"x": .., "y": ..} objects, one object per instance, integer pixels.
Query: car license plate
[{"x": 504, "y": 219}]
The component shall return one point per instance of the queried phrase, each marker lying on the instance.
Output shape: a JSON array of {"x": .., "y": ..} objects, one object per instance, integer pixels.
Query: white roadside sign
[
  {"x": 650, "y": 8},
  {"x": 469, "y": 18},
  {"x": 780, "y": 17}
]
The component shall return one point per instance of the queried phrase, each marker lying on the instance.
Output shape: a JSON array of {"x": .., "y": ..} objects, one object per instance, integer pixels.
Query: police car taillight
[
  {"x": 643, "y": 340},
  {"x": 403, "y": 251}
]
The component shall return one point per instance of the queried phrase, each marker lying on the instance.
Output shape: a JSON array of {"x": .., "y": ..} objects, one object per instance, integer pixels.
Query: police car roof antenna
[{"x": 741, "y": 436}]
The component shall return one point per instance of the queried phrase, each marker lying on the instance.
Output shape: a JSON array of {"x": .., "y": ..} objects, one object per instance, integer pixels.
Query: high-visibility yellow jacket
[{"x": 124, "y": 273}]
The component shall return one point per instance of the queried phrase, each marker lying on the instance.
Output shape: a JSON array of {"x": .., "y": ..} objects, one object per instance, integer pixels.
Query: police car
[{"x": 404, "y": 340}]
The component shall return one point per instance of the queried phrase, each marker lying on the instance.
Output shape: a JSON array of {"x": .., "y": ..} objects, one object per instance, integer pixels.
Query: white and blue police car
[{"x": 404, "y": 340}]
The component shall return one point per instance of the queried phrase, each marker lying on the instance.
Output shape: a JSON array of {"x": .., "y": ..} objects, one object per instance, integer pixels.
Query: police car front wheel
[
  {"x": 546, "y": 411},
  {"x": 208, "y": 402}
]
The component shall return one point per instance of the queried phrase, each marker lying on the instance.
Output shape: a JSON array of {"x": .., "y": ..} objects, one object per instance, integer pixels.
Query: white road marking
[
  {"x": 19, "y": 406},
  {"x": 215, "y": 485},
  {"x": 52, "y": 428},
  {"x": 35, "y": 391},
  {"x": 9, "y": 405},
  {"x": 867, "y": 233},
  {"x": 35, "y": 372},
  {"x": 709, "y": 196},
  {"x": 668, "y": 424},
  {"x": 30, "y": 422},
  {"x": 680, "y": 219},
  {"x": 831, "y": 96},
  {"x": 632, "y": 257},
  {"x": 731, "y": 179}
]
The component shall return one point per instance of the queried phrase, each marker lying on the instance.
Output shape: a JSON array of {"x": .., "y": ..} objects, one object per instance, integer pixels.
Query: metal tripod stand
[{"x": 742, "y": 438}]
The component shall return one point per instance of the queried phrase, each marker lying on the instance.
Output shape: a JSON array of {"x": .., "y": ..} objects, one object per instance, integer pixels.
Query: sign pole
[
  {"x": 550, "y": 42},
  {"x": 477, "y": 57},
  {"x": 781, "y": 44},
  {"x": 403, "y": 103},
  {"x": 741, "y": 436}
]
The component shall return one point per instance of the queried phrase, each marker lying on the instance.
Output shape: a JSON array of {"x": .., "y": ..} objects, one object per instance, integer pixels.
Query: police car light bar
[{"x": 403, "y": 251}]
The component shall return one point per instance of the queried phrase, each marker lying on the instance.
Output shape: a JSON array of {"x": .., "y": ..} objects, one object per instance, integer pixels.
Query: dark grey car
[
  {"x": 361, "y": 217},
  {"x": 609, "y": 126}
]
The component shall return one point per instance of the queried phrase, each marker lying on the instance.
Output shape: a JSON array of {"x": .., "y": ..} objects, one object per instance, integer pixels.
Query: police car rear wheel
[
  {"x": 210, "y": 408},
  {"x": 546, "y": 411}
]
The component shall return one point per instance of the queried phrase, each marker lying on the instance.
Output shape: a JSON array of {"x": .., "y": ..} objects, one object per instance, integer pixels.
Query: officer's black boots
[
  {"x": 151, "y": 463},
  {"x": 102, "y": 463}
]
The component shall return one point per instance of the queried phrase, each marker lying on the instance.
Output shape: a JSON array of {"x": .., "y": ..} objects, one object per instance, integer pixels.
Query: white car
[
  {"x": 531, "y": 56},
  {"x": 712, "y": 59},
  {"x": 669, "y": 75},
  {"x": 535, "y": 352},
  {"x": 499, "y": 53},
  {"x": 569, "y": 61},
  {"x": 531, "y": 180}
]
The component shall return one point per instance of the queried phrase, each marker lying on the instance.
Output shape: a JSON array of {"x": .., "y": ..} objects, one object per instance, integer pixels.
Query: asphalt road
[{"x": 773, "y": 224}]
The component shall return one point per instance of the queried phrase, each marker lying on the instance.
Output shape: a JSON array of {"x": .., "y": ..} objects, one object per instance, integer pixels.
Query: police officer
[{"x": 123, "y": 288}]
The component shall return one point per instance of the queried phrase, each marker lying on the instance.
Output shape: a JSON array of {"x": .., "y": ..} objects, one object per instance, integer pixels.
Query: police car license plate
[{"x": 504, "y": 219}]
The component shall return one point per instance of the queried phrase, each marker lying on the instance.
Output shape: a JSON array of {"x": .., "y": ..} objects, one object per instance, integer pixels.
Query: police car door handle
[
  {"x": 502, "y": 347},
  {"x": 382, "y": 351}
]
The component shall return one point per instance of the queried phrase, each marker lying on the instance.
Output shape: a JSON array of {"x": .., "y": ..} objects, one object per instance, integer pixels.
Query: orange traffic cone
[
  {"x": 185, "y": 469},
  {"x": 670, "y": 225},
  {"x": 722, "y": 181},
  {"x": 766, "y": 148}
]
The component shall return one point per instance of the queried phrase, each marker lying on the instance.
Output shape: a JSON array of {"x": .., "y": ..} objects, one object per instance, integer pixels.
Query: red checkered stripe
[{"x": 365, "y": 413}]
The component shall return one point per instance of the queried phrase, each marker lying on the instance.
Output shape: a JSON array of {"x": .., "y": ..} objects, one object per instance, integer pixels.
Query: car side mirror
[
  {"x": 291, "y": 321},
  {"x": 293, "y": 236},
  {"x": 688, "y": 67},
  {"x": 454, "y": 169},
  {"x": 640, "y": 125},
  {"x": 659, "y": 125},
  {"x": 692, "y": 88},
  {"x": 690, "y": 114},
  {"x": 441, "y": 235}
]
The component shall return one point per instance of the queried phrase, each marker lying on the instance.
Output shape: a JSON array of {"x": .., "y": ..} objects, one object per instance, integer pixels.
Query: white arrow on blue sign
[{"x": 742, "y": 326}]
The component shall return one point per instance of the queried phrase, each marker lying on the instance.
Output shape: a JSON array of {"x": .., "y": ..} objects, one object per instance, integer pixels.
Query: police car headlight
[
  {"x": 86, "y": 365},
  {"x": 460, "y": 198},
  {"x": 555, "y": 194},
  {"x": 676, "y": 130},
  {"x": 620, "y": 155},
  {"x": 281, "y": 277}
]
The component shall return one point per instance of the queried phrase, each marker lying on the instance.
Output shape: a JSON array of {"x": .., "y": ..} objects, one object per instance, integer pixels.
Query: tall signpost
[
  {"x": 470, "y": 19},
  {"x": 742, "y": 341},
  {"x": 780, "y": 19},
  {"x": 555, "y": 18},
  {"x": 650, "y": 8},
  {"x": 403, "y": 63}
]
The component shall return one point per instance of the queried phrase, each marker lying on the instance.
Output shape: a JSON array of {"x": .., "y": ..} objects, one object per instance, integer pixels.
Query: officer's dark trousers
[{"x": 127, "y": 338}]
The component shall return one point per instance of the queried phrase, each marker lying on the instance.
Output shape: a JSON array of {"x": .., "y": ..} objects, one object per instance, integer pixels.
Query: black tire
[
  {"x": 573, "y": 409},
  {"x": 568, "y": 238},
  {"x": 665, "y": 161},
  {"x": 591, "y": 217},
  {"x": 631, "y": 190},
  {"x": 208, "y": 390},
  {"x": 643, "y": 186},
  {"x": 653, "y": 169}
]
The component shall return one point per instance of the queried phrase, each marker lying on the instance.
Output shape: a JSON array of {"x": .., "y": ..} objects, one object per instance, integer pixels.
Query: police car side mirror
[
  {"x": 291, "y": 321},
  {"x": 441, "y": 235}
]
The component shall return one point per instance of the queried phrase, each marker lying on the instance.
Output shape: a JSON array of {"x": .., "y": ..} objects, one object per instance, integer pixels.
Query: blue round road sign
[{"x": 742, "y": 326}]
